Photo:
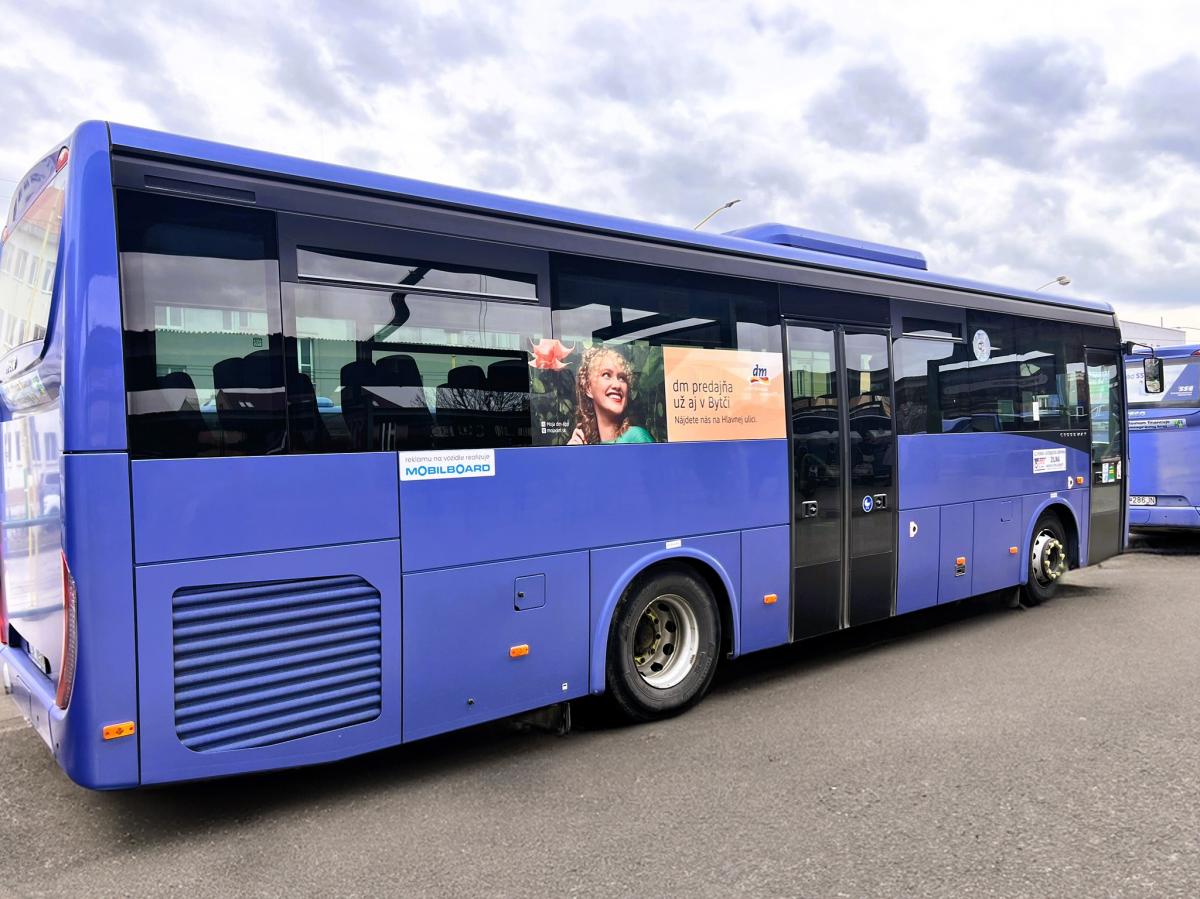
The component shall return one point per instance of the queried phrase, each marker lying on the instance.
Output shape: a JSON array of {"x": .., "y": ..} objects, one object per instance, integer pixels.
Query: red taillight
[
  {"x": 66, "y": 674},
  {"x": 1196, "y": 352},
  {"x": 3, "y": 602},
  {"x": 61, "y": 162}
]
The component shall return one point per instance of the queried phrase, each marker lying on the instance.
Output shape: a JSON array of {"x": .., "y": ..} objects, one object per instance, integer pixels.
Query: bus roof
[
  {"x": 836, "y": 256},
  {"x": 1169, "y": 352}
]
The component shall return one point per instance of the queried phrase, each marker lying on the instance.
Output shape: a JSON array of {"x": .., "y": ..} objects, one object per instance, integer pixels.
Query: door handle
[{"x": 808, "y": 509}]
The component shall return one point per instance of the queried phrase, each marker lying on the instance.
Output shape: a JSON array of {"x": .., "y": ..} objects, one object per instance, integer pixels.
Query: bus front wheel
[
  {"x": 662, "y": 649},
  {"x": 1047, "y": 560}
]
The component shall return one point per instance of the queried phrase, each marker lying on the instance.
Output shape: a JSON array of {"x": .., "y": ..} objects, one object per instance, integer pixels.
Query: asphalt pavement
[{"x": 974, "y": 750}]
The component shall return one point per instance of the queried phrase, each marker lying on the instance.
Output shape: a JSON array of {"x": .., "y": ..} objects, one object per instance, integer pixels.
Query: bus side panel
[
  {"x": 197, "y": 508},
  {"x": 997, "y": 558},
  {"x": 615, "y": 568},
  {"x": 491, "y": 640},
  {"x": 544, "y": 500},
  {"x": 93, "y": 386},
  {"x": 957, "y": 532},
  {"x": 917, "y": 563},
  {"x": 766, "y": 572},
  {"x": 99, "y": 547},
  {"x": 936, "y": 469},
  {"x": 256, "y": 665}
]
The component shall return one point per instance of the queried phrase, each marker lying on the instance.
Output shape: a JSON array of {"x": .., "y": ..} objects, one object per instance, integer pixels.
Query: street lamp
[
  {"x": 714, "y": 212},
  {"x": 1061, "y": 279}
]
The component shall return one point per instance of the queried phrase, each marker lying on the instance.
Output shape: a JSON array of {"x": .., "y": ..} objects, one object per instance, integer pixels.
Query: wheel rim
[
  {"x": 1049, "y": 560},
  {"x": 665, "y": 641}
]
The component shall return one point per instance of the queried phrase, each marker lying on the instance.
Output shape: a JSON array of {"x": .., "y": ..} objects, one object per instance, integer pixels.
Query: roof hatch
[{"x": 820, "y": 242}]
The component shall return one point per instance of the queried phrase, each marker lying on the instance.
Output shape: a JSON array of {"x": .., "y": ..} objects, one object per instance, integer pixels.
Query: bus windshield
[
  {"x": 29, "y": 254},
  {"x": 1181, "y": 378}
]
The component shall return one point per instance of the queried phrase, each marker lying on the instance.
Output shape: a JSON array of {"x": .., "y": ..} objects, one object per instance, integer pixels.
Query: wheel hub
[
  {"x": 665, "y": 641},
  {"x": 1049, "y": 558}
]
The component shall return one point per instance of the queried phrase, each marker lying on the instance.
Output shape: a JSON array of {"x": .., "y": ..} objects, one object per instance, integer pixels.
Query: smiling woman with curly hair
[{"x": 602, "y": 389}]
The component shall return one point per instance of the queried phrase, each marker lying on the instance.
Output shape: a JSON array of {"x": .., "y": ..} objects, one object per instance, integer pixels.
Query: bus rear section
[
  {"x": 36, "y": 616},
  {"x": 1164, "y": 442}
]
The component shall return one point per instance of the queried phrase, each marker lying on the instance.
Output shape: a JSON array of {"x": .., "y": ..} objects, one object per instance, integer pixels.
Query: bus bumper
[
  {"x": 1164, "y": 517},
  {"x": 74, "y": 736},
  {"x": 32, "y": 692}
]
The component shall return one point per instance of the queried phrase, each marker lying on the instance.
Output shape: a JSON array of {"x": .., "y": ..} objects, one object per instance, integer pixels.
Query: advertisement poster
[{"x": 607, "y": 393}]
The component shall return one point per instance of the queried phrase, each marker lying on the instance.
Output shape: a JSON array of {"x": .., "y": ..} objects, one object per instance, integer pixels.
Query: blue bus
[
  {"x": 302, "y": 461},
  {"x": 1164, "y": 442}
]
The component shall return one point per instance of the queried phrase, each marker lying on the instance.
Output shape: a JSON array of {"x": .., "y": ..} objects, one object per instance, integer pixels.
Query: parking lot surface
[{"x": 975, "y": 750}]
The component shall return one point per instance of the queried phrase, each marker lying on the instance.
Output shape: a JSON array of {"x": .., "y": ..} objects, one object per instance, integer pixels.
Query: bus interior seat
[
  {"x": 180, "y": 427},
  {"x": 459, "y": 404},
  {"x": 308, "y": 428},
  {"x": 250, "y": 398},
  {"x": 508, "y": 380},
  {"x": 401, "y": 411}
]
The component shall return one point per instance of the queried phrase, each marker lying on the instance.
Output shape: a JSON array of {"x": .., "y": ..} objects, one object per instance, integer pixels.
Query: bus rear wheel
[
  {"x": 662, "y": 649},
  {"x": 1048, "y": 560}
]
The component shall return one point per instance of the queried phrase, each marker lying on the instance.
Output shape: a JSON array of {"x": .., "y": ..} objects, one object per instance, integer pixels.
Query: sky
[{"x": 1009, "y": 142}]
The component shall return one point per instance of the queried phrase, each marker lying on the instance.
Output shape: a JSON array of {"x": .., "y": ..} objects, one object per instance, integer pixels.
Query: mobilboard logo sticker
[{"x": 436, "y": 466}]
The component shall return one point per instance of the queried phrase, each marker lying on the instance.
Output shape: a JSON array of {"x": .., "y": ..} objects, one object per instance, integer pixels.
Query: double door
[{"x": 843, "y": 448}]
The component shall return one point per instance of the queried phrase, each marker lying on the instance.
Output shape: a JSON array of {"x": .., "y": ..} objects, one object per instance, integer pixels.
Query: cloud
[
  {"x": 896, "y": 205},
  {"x": 1160, "y": 108},
  {"x": 869, "y": 108},
  {"x": 613, "y": 60},
  {"x": 792, "y": 28},
  {"x": 308, "y": 78},
  {"x": 1025, "y": 94}
]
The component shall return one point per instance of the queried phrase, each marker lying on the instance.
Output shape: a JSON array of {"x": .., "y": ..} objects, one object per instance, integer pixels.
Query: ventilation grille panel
[{"x": 258, "y": 664}]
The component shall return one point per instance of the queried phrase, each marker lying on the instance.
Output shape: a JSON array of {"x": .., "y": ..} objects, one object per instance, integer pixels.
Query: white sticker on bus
[
  {"x": 433, "y": 466},
  {"x": 1049, "y": 460}
]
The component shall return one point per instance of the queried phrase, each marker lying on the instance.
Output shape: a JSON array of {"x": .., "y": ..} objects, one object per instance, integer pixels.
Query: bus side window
[
  {"x": 380, "y": 370},
  {"x": 203, "y": 347},
  {"x": 616, "y": 302}
]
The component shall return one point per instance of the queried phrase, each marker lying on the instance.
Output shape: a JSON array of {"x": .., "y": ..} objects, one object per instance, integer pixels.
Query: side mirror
[{"x": 1152, "y": 374}]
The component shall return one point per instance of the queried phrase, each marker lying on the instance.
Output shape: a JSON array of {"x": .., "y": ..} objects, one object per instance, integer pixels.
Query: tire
[
  {"x": 1047, "y": 560},
  {"x": 663, "y": 645}
]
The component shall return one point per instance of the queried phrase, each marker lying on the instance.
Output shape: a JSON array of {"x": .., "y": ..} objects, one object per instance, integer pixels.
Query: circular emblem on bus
[
  {"x": 982, "y": 344},
  {"x": 868, "y": 503}
]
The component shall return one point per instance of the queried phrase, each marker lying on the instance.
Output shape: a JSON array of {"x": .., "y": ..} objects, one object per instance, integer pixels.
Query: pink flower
[{"x": 549, "y": 354}]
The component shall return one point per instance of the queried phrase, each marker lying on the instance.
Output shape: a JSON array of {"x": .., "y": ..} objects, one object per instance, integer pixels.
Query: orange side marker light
[
  {"x": 521, "y": 649},
  {"x": 1012, "y": 550},
  {"x": 961, "y": 560},
  {"x": 1079, "y": 479},
  {"x": 116, "y": 731},
  {"x": 770, "y": 599}
]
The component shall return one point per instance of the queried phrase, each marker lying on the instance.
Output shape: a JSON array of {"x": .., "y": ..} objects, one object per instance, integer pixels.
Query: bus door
[
  {"x": 843, "y": 476},
  {"x": 1106, "y": 409}
]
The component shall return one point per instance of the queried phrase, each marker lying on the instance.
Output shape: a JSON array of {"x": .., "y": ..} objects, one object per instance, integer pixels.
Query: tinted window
[
  {"x": 391, "y": 370},
  {"x": 203, "y": 352},
  {"x": 1012, "y": 374},
  {"x": 611, "y": 302},
  {"x": 413, "y": 273},
  {"x": 927, "y": 327},
  {"x": 930, "y": 373}
]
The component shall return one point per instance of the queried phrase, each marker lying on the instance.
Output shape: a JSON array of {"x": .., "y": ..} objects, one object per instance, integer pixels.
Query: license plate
[{"x": 1143, "y": 500}]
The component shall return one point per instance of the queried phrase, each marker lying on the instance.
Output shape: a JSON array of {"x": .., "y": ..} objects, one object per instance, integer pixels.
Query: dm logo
[
  {"x": 868, "y": 503},
  {"x": 758, "y": 375}
]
